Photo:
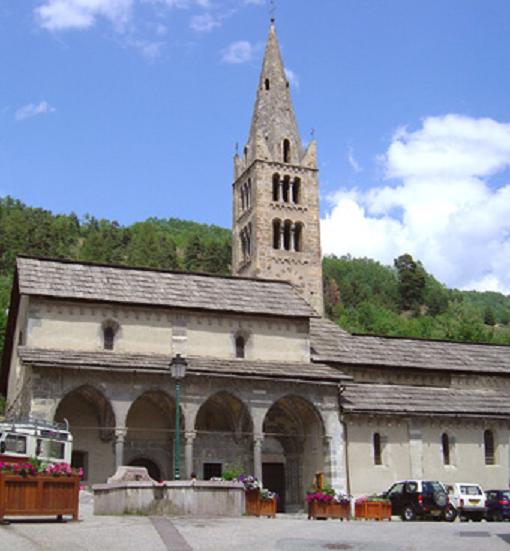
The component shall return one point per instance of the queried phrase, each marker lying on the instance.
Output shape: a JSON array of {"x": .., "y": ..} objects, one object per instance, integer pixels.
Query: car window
[
  {"x": 15, "y": 444},
  {"x": 396, "y": 489},
  {"x": 431, "y": 487},
  {"x": 411, "y": 487},
  {"x": 505, "y": 495},
  {"x": 470, "y": 490}
]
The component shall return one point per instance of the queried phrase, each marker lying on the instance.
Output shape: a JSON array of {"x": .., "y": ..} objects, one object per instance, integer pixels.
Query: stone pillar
[
  {"x": 282, "y": 237},
  {"x": 258, "y": 439},
  {"x": 188, "y": 453},
  {"x": 292, "y": 244},
  {"x": 415, "y": 450},
  {"x": 291, "y": 192},
  {"x": 335, "y": 464},
  {"x": 120, "y": 439}
]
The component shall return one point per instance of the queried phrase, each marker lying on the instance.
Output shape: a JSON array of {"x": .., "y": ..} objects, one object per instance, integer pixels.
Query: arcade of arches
[{"x": 285, "y": 452}]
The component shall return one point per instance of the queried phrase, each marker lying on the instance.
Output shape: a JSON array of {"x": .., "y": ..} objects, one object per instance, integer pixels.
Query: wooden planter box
[
  {"x": 373, "y": 510},
  {"x": 258, "y": 507},
  {"x": 267, "y": 508},
  {"x": 39, "y": 495},
  {"x": 317, "y": 509}
]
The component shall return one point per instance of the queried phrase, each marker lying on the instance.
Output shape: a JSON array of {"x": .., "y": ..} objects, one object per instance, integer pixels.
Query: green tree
[
  {"x": 488, "y": 316},
  {"x": 411, "y": 281},
  {"x": 194, "y": 254},
  {"x": 148, "y": 246}
]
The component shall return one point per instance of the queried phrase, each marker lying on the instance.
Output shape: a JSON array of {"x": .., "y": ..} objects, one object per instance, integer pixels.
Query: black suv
[{"x": 413, "y": 499}]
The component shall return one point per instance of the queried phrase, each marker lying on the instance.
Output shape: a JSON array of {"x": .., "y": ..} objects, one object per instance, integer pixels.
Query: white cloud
[
  {"x": 292, "y": 77},
  {"x": 205, "y": 22},
  {"x": 238, "y": 52},
  {"x": 352, "y": 160},
  {"x": 58, "y": 15},
  {"x": 34, "y": 109},
  {"x": 444, "y": 208}
]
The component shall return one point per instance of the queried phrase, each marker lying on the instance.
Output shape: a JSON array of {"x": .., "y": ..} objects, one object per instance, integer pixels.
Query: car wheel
[
  {"x": 450, "y": 514},
  {"x": 408, "y": 513}
]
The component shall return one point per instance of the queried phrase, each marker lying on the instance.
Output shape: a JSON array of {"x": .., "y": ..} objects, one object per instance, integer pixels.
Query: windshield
[{"x": 471, "y": 490}]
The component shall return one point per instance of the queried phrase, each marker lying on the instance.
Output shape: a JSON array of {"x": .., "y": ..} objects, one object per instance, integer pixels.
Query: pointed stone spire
[{"x": 274, "y": 134}]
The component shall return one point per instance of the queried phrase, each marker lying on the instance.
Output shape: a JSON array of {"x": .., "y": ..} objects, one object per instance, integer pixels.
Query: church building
[{"x": 271, "y": 385}]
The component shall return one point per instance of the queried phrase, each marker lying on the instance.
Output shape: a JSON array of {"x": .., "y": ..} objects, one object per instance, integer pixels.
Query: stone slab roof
[
  {"x": 117, "y": 284},
  {"x": 331, "y": 344},
  {"x": 422, "y": 400},
  {"x": 158, "y": 363}
]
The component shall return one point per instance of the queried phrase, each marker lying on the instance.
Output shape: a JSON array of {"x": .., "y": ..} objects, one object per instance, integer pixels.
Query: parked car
[
  {"x": 498, "y": 505},
  {"x": 468, "y": 500},
  {"x": 412, "y": 499}
]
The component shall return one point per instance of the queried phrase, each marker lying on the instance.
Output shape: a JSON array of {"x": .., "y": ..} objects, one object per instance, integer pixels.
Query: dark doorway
[
  {"x": 273, "y": 478},
  {"x": 153, "y": 470},
  {"x": 212, "y": 470}
]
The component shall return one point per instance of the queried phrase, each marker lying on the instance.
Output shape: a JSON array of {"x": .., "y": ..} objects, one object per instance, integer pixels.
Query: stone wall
[
  {"x": 74, "y": 326},
  {"x": 412, "y": 448}
]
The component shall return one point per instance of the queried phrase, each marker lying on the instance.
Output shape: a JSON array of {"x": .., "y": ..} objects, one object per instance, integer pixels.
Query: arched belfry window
[
  {"x": 266, "y": 84},
  {"x": 296, "y": 185},
  {"x": 488, "y": 443},
  {"x": 276, "y": 187},
  {"x": 298, "y": 237},
  {"x": 377, "y": 449},
  {"x": 445, "y": 445},
  {"x": 110, "y": 329},
  {"x": 276, "y": 234},
  {"x": 286, "y": 151},
  {"x": 286, "y": 189},
  {"x": 240, "y": 343}
]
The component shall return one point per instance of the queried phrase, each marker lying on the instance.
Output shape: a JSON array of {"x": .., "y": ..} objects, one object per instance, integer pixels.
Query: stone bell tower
[{"x": 276, "y": 219}]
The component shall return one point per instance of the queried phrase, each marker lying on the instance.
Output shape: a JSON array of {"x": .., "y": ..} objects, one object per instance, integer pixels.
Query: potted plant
[
  {"x": 36, "y": 489},
  {"x": 327, "y": 503},
  {"x": 373, "y": 507}
]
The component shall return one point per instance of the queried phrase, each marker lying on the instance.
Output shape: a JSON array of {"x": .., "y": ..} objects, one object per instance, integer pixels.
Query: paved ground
[{"x": 286, "y": 533}]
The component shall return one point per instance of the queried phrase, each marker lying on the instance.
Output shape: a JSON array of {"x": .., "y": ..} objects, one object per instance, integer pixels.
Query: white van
[
  {"x": 19, "y": 441},
  {"x": 468, "y": 499}
]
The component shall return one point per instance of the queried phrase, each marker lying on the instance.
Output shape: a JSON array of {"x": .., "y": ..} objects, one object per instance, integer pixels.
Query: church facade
[{"x": 271, "y": 385}]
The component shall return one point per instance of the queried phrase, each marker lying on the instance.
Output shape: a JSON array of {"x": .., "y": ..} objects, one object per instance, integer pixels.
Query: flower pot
[
  {"x": 373, "y": 510},
  {"x": 321, "y": 510},
  {"x": 39, "y": 495},
  {"x": 267, "y": 508}
]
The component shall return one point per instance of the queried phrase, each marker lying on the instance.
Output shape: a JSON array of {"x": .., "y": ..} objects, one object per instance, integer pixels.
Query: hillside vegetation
[{"x": 361, "y": 294}]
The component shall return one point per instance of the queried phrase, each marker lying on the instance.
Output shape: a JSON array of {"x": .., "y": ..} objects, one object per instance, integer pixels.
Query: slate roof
[
  {"x": 117, "y": 284},
  {"x": 421, "y": 400},
  {"x": 158, "y": 363},
  {"x": 331, "y": 344}
]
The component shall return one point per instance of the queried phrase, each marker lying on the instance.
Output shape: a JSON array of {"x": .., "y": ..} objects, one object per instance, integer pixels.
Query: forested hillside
[{"x": 361, "y": 295}]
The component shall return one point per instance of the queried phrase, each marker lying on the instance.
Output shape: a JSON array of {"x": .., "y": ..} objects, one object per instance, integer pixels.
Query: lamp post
[{"x": 178, "y": 369}]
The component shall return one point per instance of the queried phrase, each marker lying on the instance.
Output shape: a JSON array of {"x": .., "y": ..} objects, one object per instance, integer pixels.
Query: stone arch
[
  {"x": 150, "y": 425},
  {"x": 92, "y": 423},
  {"x": 298, "y": 427},
  {"x": 224, "y": 433}
]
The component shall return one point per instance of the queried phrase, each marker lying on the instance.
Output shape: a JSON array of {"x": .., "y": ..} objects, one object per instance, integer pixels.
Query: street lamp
[{"x": 178, "y": 369}]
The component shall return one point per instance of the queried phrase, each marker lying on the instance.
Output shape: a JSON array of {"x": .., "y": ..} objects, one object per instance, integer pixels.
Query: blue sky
[{"x": 127, "y": 109}]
